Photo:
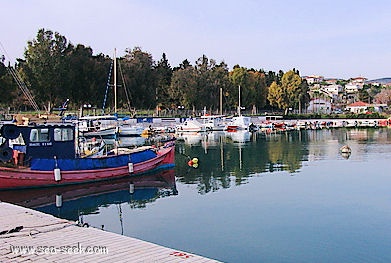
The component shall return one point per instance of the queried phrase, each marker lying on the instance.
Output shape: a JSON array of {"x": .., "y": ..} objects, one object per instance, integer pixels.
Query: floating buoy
[
  {"x": 190, "y": 163},
  {"x": 195, "y": 165},
  {"x": 195, "y": 160},
  {"x": 345, "y": 149}
]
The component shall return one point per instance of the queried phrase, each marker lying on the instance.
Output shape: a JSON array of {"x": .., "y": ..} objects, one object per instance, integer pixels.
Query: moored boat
[
  {"x": 48, "y": 155},
  {"x": 191, "y": 125}
]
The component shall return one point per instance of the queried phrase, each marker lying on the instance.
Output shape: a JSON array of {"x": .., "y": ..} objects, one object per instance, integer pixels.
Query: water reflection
[
  {"x": 230, "y": 158},
  {"x": 74, "y": 201}
]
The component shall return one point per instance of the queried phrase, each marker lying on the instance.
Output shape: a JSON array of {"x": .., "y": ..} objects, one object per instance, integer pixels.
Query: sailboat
[
  {"x": 108, "y": 126},
  {"x": 240, "y": 122}
]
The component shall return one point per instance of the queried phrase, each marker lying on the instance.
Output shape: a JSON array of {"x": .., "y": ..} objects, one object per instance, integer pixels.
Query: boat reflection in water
[{"x": 71, "y": 202}]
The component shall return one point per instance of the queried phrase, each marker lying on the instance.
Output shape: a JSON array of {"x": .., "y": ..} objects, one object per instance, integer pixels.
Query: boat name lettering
[{"x": 38, "y": 144}]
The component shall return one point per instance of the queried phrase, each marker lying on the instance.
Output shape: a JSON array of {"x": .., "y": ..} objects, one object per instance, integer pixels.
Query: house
[
  {"x": 313, "y": 79},
  {"x": 352, "y": 88},
  {"x": 318, "y": 105},
  {"x": 333, "y": 89},
  {"x": 358, "y": 80},
  {"x": 358, "y": 107},
  {"x": 331, "y": 81}
]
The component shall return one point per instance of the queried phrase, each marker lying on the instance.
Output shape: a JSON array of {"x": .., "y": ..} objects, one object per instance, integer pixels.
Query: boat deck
[{"x": 31, "y": 236}]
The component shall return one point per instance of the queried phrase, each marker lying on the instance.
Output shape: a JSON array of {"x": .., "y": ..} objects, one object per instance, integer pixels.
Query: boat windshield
[
  {"x": 39, "y": 135},
  {"x": 63, "y": 134}
]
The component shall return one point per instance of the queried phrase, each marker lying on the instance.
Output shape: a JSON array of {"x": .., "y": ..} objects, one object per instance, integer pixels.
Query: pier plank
[{"x": 31, "y": 236}]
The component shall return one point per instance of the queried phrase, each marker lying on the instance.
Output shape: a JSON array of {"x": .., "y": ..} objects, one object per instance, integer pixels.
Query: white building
[
  {"x": 333, "y": 89},
  {"x": 318, "y": 105},
  {"x": 352, "y": 88}
]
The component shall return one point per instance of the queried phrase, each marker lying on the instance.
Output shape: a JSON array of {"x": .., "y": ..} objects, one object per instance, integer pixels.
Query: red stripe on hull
[{"x": 25, "y": 177}]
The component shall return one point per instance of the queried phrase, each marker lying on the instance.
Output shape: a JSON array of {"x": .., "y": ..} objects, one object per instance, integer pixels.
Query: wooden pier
[{"x": 31, "y": 236}]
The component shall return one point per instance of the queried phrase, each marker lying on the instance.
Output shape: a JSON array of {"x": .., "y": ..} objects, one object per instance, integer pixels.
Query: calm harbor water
[{"x": 288, "y": 197}]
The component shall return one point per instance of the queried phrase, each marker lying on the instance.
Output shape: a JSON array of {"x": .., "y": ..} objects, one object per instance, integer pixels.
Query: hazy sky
[{"x": 331, "y": 38}]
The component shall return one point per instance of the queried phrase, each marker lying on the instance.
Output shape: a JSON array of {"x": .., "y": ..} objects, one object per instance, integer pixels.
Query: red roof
[{"x": 358, "y": 104}]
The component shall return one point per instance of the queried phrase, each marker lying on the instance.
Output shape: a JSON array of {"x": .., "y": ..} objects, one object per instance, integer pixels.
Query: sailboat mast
[
  {"x": 221, "y": 101},
  {"x": 239, "y": 107},
  {"x": 115, "y": 82}
]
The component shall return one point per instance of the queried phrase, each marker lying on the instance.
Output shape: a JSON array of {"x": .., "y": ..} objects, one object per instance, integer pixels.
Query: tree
[
  {"x": 183, "y": 87},
  {"x": 276, "y": 96},
  {"x": 304, "y": 97},
  {"x": 45, "y": 66},
  {"x": 288, "y": 93},
  {"x": 163, "y": 77},
  {"x": 210, "y": 78},
  {"x": 87, "y": 76},
  {"x": 239, "y": 76},
  {"x": 140, "y": 78},
  {"x": 220, "y": 81}
]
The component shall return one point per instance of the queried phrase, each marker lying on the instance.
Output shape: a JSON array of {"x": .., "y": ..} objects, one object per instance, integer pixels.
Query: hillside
[{"x": 382, "y": 81}]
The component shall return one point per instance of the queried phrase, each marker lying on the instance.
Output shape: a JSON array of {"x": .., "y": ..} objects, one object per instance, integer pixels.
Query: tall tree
[
  {"x": 140, "y": 78},
  {"x": 239, "y": 77},
  {"x": 183, "y": 87},
  {"x": 288, "y": 94},
  {"x": 276, "y": 96},
  {"x": 45, "y": 66},
  {"x": 163, "y": 77},
  {"x": 87, "y": 76},
  {"x": 220, "y": 84}
]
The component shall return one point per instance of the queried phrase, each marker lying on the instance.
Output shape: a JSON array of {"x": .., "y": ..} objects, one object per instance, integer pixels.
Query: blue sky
[{"x": 331, "y": 38}]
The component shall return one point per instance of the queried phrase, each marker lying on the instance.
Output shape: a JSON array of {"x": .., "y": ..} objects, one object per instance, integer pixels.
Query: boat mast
[
  {"x": 115, "y": 82},
  {"x": 221, "y": 101},
  {"x": 239, "y": 107}
]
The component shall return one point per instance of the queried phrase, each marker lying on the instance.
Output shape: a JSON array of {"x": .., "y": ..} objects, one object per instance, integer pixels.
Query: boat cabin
[{"x": 40, "y": 141}]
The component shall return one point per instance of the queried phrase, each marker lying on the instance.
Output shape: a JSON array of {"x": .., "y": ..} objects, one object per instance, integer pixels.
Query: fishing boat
[{"x": 48, "y": 155}]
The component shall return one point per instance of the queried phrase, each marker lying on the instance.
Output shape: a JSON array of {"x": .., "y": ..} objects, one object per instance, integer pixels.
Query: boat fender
[
  {"x": 130, "y": 166},
  {"x": 10, "y": 131},
  {"x": 57, "y": 174},
  {"x": 58, "y": 200}
]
